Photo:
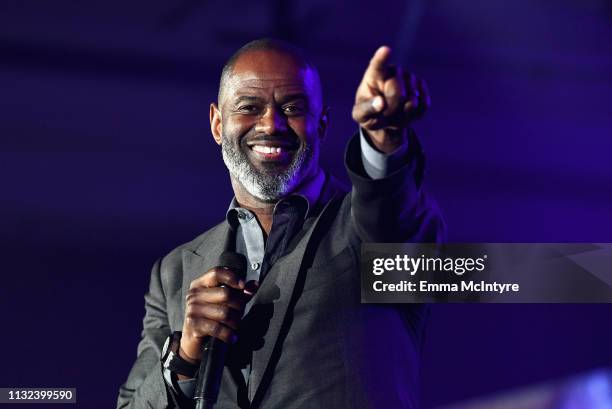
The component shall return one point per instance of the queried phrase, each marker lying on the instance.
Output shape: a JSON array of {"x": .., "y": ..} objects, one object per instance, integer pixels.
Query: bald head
[{"x": 253, "y": 56}]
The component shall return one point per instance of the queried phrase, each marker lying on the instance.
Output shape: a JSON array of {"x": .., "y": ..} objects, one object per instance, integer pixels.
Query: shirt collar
[{"x": 308, "y": 194}]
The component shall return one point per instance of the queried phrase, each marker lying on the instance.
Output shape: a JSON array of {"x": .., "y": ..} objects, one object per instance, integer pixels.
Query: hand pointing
[{"x": 388, "y": 99}]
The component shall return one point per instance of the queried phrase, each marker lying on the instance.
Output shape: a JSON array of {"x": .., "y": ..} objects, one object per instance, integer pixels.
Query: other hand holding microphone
[{"x": 214, "y": 306}]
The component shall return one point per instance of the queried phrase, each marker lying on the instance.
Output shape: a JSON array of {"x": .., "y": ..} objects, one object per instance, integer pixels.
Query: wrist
[
  {"x": 187, "y": 357},
  {"x": 190, "y": 349},
  {"x": 173, "y": 361}
]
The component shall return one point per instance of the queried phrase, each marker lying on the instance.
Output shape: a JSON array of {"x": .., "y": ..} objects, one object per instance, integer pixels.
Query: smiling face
[{"x": 269, "y": 123}]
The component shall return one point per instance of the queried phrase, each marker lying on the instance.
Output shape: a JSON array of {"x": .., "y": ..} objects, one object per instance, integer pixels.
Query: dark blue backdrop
[{"x": 106, "y": 163}]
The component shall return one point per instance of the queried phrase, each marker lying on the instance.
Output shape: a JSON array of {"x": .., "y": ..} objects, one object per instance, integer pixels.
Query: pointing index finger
[{"x": 379, "y": 60}]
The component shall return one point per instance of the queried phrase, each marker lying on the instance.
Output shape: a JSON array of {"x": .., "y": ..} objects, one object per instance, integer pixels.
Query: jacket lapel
[{"x": 274, "y": 298}]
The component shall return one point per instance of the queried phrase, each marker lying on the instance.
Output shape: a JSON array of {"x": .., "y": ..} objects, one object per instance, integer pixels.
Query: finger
[
  {"x": 215, "y": 312},
  {"x": 218, "y": 276},
  {"x": 412, "y": 88},
  {"x": 413, "y": 93},
  {"x": 233, "y": 298},
  {"x": 394, "y": 91},
  {"x": 417, "y": 106},
  {"x": 368, "y": 109},
  {"x": 203, "y": 327},
  {"x": 377, "y": 66}
]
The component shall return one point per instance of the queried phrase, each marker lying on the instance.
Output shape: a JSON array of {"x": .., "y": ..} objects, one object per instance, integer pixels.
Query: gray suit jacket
[{"x": 313, "y": 344}]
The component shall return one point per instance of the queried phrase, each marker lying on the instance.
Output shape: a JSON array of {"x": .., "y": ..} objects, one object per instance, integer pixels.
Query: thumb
[{"x": 365, "y": 110}]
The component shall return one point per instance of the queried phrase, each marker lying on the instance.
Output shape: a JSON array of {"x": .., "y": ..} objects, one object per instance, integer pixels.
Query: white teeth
[{"x": 266, "y": 149}]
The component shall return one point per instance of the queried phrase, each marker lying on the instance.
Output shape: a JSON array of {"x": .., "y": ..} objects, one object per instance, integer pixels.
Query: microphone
[{"x": 214, "y": 350}]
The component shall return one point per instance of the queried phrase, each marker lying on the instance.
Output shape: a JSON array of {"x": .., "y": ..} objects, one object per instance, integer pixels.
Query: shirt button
[{"x": 255, "y": 266}]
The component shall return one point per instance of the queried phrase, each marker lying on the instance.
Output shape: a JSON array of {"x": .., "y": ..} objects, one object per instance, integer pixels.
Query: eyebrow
[
  {"x": 293, "y": 97},
  {"x": 247, "y": 98},
  {"x": 283, "y": 100}
]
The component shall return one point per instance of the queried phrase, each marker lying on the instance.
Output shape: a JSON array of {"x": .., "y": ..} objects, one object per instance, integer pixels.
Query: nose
[{"x": 272, "y": 122}]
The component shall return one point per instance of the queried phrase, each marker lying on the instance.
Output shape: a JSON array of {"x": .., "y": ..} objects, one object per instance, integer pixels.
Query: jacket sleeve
[
  {"x": 145, "y": 386},
  {"x": 393, "y": 208}
]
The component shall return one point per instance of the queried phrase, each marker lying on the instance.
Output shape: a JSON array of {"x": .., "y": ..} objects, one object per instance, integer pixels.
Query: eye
[
  {"x": 293, "y": 109},
  {"x": 249, "y": 108}
]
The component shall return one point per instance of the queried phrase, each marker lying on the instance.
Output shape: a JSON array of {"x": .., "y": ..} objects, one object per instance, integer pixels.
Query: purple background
[{"x": 106, "y": 163}]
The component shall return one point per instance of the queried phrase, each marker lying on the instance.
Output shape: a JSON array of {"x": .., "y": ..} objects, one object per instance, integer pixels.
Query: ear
[
  {"x": 216, "y": 126},
  {"x": 323, "y": 123}
]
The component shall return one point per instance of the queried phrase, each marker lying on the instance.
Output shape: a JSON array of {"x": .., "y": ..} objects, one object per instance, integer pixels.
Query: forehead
[{"x": 271, "y": 72}]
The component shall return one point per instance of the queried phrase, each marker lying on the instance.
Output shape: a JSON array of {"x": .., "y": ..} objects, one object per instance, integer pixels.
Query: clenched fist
[
  {"x": 214, "y": 307},
  {"x": 388, "y": 99}
]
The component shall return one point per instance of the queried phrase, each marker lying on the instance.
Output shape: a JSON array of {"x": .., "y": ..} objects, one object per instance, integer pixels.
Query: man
[{"x": 299, "y": 336}]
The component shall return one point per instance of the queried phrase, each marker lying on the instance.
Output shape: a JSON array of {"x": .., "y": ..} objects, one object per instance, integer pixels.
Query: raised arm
[{"x": 385, "y": 162}]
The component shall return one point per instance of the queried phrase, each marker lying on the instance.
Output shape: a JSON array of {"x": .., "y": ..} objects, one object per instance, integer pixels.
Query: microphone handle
[
  {"x": 210, "y": 373},
  {"x": 214, "y": 350}
]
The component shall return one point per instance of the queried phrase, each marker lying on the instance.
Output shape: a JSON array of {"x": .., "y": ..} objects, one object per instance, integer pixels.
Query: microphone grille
[{"x": 234, "y": 261}]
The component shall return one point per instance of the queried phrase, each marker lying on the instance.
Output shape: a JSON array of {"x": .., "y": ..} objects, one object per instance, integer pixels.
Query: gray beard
[{"x": 267, "y": 187}]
